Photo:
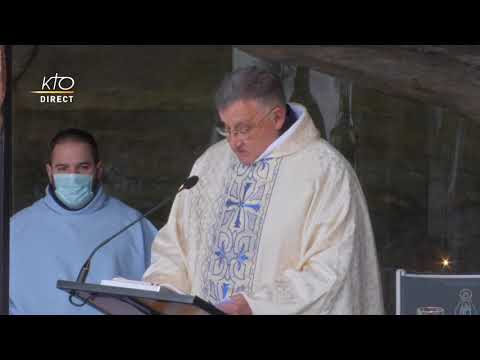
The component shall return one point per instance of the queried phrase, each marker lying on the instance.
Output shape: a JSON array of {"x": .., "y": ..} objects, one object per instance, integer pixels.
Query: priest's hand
[{"x": 236, "y": 305}]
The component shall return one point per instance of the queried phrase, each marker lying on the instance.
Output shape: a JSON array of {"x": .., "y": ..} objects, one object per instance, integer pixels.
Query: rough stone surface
[
  {"x": 441, "y": 75},
  {"x": 150, "y": 108}
]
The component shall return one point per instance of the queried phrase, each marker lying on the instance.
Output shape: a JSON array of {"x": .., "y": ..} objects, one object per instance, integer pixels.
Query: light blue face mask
[{"x": 73, "y": 190}]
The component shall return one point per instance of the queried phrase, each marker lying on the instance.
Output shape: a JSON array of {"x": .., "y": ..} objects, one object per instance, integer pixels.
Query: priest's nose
[{"x": 235, "y": 142}]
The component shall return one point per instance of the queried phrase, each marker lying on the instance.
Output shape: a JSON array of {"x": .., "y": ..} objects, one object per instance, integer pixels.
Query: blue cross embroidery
[
  {"x": 241, "y": 257},
  {"x": 242, "y": 204},
  {"x": 221, "y": 253}
]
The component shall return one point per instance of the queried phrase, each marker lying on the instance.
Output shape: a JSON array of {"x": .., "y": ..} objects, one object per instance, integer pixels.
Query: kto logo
[{"x": 56, "y": 89}]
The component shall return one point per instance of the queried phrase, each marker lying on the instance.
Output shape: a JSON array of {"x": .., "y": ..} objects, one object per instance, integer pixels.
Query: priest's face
[
  {"x": 250, "y": 127},
  {"x": 74, "y": 157}
]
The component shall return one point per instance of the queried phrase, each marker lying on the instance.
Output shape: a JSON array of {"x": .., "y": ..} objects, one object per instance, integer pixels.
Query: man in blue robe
[{"x": 51, "y": 239}]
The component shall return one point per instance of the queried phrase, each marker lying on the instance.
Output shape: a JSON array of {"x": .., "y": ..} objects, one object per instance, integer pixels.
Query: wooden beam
[{"x": 445, "y": 76}]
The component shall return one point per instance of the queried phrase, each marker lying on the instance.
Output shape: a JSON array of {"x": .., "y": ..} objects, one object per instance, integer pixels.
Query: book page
[{"x": 140, "y": 285}]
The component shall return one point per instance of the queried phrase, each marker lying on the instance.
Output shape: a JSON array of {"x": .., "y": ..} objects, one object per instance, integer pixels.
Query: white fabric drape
[{"x": 291, "y": 232}]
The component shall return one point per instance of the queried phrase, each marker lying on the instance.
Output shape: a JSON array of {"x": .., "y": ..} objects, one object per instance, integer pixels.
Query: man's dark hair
[
  {"x": 75, "y": 135},
  {"x": 250, "y": 83}
]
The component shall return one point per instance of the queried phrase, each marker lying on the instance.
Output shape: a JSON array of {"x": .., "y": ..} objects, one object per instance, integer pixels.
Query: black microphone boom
[{"x": 187, "y": 184}]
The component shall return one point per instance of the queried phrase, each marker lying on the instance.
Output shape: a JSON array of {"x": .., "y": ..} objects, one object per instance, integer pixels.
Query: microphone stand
[
  {"x": 86, "y": 266},
  {"x": 82, "y": 276}
]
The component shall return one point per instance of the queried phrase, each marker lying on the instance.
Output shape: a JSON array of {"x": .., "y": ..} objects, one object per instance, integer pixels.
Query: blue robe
[{"x": 50, "y": 243}]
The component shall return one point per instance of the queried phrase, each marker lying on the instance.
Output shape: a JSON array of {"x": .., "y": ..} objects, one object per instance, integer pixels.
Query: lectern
[{"x": 112, "y": 300}]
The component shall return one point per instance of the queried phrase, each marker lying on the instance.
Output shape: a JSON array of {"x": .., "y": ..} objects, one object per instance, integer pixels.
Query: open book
[{"x": 139, "y": 285}]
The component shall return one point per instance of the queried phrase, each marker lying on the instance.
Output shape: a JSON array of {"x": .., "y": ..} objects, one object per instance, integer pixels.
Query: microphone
[{"x": 187, "y": 184}]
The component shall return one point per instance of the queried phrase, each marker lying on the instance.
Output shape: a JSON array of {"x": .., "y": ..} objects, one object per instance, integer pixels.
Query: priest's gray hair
[{"x": 250, "y": 83}]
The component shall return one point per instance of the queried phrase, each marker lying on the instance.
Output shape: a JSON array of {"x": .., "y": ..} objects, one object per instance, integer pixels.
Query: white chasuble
[{"x": 291, "y": 232}]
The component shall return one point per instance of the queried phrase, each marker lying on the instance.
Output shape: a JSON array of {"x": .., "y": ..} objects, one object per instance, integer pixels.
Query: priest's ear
[{"x": 279, "y": 114}]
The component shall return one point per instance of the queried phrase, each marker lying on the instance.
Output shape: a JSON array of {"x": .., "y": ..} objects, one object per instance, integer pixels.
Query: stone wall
[
  {"x": 150, "y": 108},
  {"x": 417, "y": 166}
]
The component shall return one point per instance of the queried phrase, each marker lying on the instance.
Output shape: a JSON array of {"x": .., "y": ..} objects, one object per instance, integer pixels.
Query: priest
[{"x": 278, "y": 223}]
